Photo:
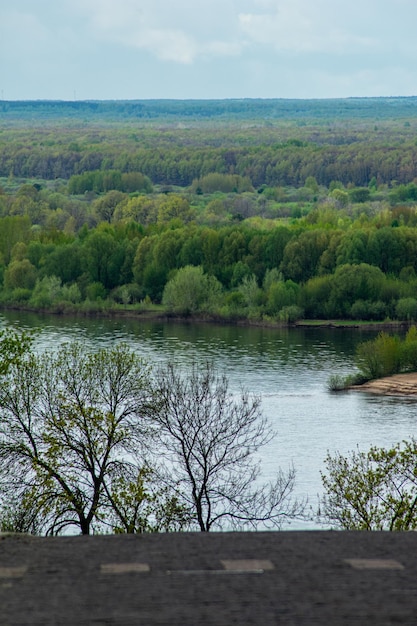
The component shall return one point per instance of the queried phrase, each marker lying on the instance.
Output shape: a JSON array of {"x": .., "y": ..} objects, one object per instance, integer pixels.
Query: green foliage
[
  {"x": 191, "y": 291},
  {"x": 360, "y": 194},
  {"x": 368, "y": 310},
  {"x": 336, "y": 382},
  {"x": 226, "y": 183},
  {"x": 46, "y": 292},
  {"x": 406, "y": 309},
  {"x": 282, "y": 294},
  {"x": 102, "y": 181},
  {"x": 409, "y": 349},
  {"x": 19, "y": 516},
  {"x": 291, "y": 314},
  {"x": 20, "y": 274},
  {"x": 302, "y": 255},
  {"x": 70, "y": 423},
  {"x": 352, "y": 283},
  {"x": 78, "y": 431},
  {"x": 228, "y": 197},
  {"x": 380, "y": 357},
  {"x": 140, "y": 505},
  {"x": 387, "y": 355},
  {"x": 96, "y": 291},
  {"x": 251, "y": 292},
  {"x": 105, "y": 206},
  {"x": 14, "y": 346},
  {"x": 374, "y": 490}
]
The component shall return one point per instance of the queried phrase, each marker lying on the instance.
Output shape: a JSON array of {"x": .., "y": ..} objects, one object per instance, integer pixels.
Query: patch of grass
[{"x": 337, "y": 382}]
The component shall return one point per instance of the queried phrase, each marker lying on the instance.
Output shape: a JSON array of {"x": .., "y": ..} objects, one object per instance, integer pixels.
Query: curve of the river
[{"x": 289, "y": 368}]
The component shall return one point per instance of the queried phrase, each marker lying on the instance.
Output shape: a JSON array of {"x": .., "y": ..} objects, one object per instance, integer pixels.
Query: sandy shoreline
[{"x": 398, "y": 385}]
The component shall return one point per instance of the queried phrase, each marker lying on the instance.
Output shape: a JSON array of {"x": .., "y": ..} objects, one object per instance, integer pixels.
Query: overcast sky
[{"x": 133, "y": 49}]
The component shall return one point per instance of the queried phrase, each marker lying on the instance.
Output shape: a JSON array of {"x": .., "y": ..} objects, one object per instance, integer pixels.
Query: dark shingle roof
[{"x": 216, "y": 579}]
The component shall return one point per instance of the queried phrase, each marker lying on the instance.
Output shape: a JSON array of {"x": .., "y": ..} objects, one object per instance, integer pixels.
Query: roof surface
[{"x": 215, "y": 579}]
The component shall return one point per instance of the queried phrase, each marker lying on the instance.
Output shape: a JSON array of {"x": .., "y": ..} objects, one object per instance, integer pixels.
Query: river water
[{"x": 289, "y": 368}]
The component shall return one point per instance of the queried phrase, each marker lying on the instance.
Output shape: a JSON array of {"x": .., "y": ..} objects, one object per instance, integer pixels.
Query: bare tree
[{"x": 208, "y": 439}]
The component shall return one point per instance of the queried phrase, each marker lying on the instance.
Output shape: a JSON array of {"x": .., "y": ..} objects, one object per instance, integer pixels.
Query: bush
[
  {"x": 381, "y": 357},
  {"x": 336, "y": 382}
]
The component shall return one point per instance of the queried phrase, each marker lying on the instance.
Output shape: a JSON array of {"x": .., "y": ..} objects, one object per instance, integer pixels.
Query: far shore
[{"x": 158, "y": 314}]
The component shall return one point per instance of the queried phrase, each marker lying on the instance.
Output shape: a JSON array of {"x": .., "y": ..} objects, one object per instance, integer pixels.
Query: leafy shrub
[
  {"x": 336, "y": 382},
  {"x": 380, "y": 357}
]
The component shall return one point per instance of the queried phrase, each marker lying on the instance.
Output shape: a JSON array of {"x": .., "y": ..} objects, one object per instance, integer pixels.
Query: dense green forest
[{"x": 268, "y": 210}]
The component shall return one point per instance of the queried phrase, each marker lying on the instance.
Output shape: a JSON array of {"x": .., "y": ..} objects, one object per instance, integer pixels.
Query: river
[{"x": 289, "y": 368}]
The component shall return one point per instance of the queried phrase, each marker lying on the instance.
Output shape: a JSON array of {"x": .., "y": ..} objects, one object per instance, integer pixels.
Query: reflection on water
[{"x": 288, "y": 367}]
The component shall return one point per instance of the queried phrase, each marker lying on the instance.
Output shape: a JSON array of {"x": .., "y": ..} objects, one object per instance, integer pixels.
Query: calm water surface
[{"x": 288, "y": 368}]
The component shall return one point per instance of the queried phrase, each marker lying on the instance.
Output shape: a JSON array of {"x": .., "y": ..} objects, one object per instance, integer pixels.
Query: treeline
[
  {"x": 244, "y": 108},
  {"x": 262, "y": 220},
  {"x": 281, "y": 165},
  {"x": 266, "y": 151},
  {"x": 191, "y": 254}
]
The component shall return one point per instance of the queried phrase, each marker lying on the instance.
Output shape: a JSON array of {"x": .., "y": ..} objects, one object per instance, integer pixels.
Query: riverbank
[
  {"x": 397, "y": 385},
  {"x": 158, "y": 313}
]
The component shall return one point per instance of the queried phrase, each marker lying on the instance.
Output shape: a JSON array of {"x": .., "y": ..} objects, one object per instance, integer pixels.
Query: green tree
[
  {"x": 191, "y": 290},
  {"x": 226, "y": 183},
  {"x": 282, "y": 294},
  {"x": 13, "y": 230},
  {"x": 105, "y": 256},
  {"x": 354, "y": 282},
  {"x": 175, "y": 207},
  {"x": 137, "y": 504},
  {"x": 105, "y": 206},
  {"x": 359, "y": 194},
  {"x": 46, "y": 292},
  {"x": 373, "y": 490},
  {"x": 251, "y": 292},
  {"x": 301, "y": 259},
  {"x": 71, "y": 423},
  {"x": 406, "y": 309},
  {"x": 142, "y": 209},
  {"x": 314, "y": 297},
  {"x": 20, "y": 275}
]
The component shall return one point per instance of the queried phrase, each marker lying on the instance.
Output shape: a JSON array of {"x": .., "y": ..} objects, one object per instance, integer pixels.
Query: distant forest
[
  {"x": 268, "y": 210},
  {"x": 246, "y": 108},
  {"x": 273, "y": 142}
]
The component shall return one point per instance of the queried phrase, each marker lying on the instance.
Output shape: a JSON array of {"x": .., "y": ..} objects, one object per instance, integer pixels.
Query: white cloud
[
  {"x": 302, "y": 26},
  {"x": 198, "y": 48},
  {"x": 186, "y": 30},
  {"x": 182, "y": 31}
]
